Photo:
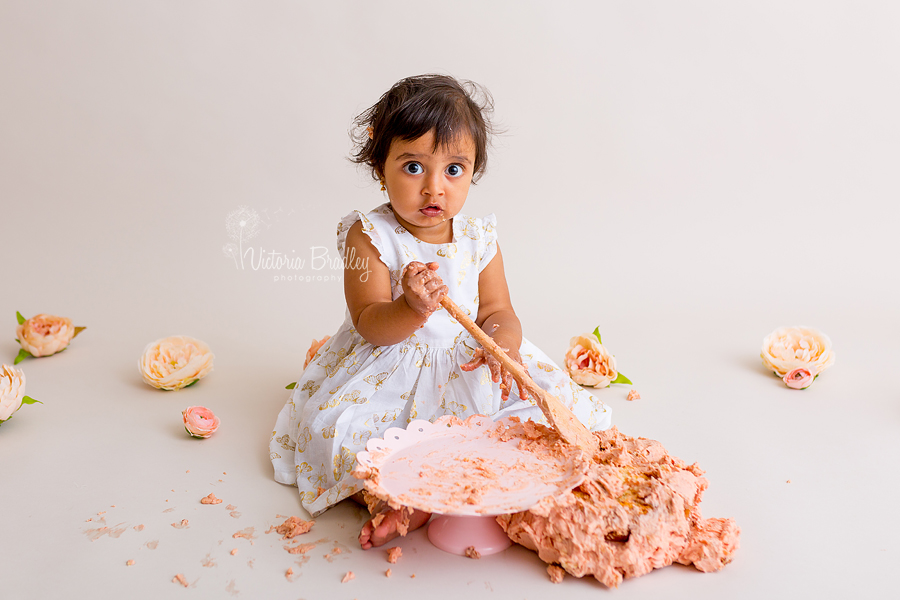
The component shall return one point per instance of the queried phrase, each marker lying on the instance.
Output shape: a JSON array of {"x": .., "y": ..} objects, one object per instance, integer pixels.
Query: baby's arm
[
  {"x": 367, "y": 288},
  {"x": 497, "y": 318}
]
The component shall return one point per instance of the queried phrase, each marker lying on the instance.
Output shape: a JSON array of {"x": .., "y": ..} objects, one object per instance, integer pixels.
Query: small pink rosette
[
  {"x": 799, "y": 379},
  {"x": 199, "y": 421}
]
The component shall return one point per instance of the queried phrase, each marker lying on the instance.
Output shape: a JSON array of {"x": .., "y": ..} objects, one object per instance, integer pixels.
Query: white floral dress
[{"x": 353, "y": 391}]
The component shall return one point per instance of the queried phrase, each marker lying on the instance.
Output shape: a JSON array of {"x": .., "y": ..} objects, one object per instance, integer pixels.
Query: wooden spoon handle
[{"x": 558, "y": 415}]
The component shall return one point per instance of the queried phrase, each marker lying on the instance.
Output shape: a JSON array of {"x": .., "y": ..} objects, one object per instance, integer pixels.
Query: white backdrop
[{"x": 688, "y": 176}]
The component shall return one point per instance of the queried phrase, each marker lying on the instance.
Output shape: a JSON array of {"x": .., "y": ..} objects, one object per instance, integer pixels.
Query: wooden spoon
[{"x": 558, "y": 415}]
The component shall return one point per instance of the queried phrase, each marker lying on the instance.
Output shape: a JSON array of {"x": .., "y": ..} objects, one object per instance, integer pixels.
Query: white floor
[{"x": 688, "y": 179}]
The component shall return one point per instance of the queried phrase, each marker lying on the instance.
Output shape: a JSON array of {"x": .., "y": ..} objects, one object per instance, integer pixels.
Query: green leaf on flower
[
  {"x": 78, "y": 330},
  {"x": 30, "y": 400},
  {"x": 192, "y": 383},
  {"x": 23, "y": 354},
  {"x": 291, "y": 386},
  {"x": 621, "y": 379},
  {"x": 597, "y": 333},
  {"x": 20, "y": 318}
]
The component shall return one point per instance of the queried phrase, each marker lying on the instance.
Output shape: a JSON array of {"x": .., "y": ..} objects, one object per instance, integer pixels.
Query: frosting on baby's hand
[{"x": 422, "y": 287}]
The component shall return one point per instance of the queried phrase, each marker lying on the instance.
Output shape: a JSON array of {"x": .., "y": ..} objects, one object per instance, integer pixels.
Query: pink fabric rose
[
  {"x": 799, "y": 379},
  {"x": 589, "y": 363},
  {"x": 313, "y": 348},
  {"x": 199, "y": 421},
  {"x": 43, "y": 335}
]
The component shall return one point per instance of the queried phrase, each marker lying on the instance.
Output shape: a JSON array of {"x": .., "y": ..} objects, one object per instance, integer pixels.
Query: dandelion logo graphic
[{"x": 241, "y": 225}]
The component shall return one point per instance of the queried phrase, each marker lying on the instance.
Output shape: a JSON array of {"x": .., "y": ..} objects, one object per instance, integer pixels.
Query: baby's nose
[{"x": 433, "y": 185}]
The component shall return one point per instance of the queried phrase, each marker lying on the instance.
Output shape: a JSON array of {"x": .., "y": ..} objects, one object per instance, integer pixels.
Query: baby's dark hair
[{"x": 416, "y": 105}]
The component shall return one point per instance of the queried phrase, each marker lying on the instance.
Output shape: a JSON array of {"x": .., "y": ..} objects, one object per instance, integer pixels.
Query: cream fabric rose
[
  {"x": 790, "y": 348},
  {"x": 43, "y": 335},
  {"x": 175, "y": 362},
  {"x": 12, "y": 390},
  {"x": 313, "y": 348},
  {"x": 199, "y": 421},
  {"x": 589, "y": 363}
]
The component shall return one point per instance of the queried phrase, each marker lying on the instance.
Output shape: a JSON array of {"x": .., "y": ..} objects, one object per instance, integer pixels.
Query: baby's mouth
[{"x": 432, "y": 210}]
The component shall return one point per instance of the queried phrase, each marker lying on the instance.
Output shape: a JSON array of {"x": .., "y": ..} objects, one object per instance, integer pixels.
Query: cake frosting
[{"x": 638, "y": 510}]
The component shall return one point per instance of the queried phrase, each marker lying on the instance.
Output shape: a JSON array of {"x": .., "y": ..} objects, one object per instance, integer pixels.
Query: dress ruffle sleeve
[
  {"x": 367, "y": 227},
  {"x": 487, "y": 242}
]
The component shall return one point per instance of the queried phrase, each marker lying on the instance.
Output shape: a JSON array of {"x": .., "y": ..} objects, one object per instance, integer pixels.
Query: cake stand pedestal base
[{"x": 454, "y": 534}]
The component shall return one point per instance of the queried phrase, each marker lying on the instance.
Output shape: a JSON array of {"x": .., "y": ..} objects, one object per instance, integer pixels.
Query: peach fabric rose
[
  {"x": 790, "y": 348},
  {"x": 313, "y": 348},
  {"x": 175, "y": 362},
  {"x": 799, "y": 379},
  {"x": 43, "y": 335},
  {"x": 199, "y": 421},
  {"x": 589, "y": 363},
  {"x": 12, "y": 390}
]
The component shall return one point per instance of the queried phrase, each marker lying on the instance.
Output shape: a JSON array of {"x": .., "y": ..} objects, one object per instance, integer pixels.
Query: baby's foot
[{"x": 388, "y": 524}]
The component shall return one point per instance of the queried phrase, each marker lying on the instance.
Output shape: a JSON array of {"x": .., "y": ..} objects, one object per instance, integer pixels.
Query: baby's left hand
[{"x": 498, "y": 373}]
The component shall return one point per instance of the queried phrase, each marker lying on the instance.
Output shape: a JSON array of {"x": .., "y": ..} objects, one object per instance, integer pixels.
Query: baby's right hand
[{"x": 422, "y": 287}]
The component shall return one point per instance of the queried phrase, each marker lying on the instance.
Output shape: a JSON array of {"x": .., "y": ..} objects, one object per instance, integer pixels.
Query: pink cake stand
[{"x": 468, "y": 472}]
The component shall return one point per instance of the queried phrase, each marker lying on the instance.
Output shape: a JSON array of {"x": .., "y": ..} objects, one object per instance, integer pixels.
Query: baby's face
[{"x": 428, "y": 188}]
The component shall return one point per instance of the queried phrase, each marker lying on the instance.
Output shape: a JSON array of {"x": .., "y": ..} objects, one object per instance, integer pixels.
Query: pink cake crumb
[
  {"x": 182, "y": 525},
  {"x": 387, "y": 573},
  {"x": 139, "y": 527},
  {"x": 294, "y": 526},
  {"x": 180, "y": 579},
  {"x": 247, "y": 533},
  {"x": 471, "y": 552},
  {"x": 288, "y": 573},
  {"x": 129, "y": 563},
  {"x": 210, "y": 499},
  {"x": 633, "y": 395},
  {"x": 300, "y": 549},
  {"x": 233, "y": 551},
  {"x": 556, "y": 573},
  {"x": 394, "y": 554},
  {"x": 348, "y": 577}
]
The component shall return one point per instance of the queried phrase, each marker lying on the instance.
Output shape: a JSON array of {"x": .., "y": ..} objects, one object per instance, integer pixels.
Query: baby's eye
[
  {"x": 455, "y": 170},
  {"x": 413, "y": 168}
]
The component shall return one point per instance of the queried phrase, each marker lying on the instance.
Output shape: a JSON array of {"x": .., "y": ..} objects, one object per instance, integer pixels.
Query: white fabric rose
[
  {"x": 12, "y": 390},
  {"x": 790, "y": 348},
  {"x": 175, "y": 362},
  {"x": 589, "y": 363}
]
